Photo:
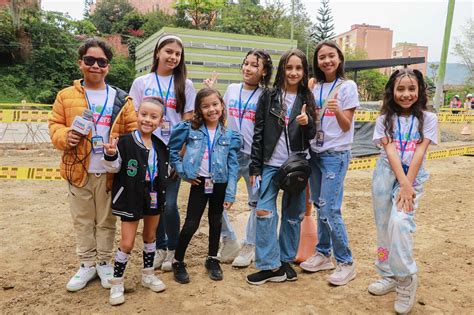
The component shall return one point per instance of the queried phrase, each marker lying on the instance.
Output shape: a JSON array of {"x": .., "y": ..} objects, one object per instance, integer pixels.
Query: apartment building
[{"x": 405, "y": 50}]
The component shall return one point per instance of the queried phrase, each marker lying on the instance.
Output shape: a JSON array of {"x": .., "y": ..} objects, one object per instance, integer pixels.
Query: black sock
[
  {"x": 149, "y": 250},
  {"x": 121, "y": 260}
]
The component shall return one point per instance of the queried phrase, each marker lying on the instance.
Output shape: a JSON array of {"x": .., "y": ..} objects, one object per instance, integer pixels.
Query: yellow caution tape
[
  {"x": 25, "y": 105},
  {"x": 24, "y": 116},
  {"x": 48, "y": 173},
  {"x": 41, "y": 116}
]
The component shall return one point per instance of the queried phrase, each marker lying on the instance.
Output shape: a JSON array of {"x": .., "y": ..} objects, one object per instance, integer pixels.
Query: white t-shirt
[
  {"x": 147, "y": 85},
  {"x": 430, "y": 131},
  {"x": 248, "y": 107},
  {"x": 334, "y": 137},
  {"x": 152, "y": 159},
  {"x": 96, "y": 100},
  {"x": 280, "y": 153},
  {"x": 204, "y": 167}
]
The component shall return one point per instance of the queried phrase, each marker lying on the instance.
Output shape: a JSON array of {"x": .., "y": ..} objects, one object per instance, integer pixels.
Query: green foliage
[
  {"x": 324, "y": 28},
  {"x": 133, "y": 20},
  {"x": 9, "y": 44},
  {"x": 155, "y": 21},
  {"x": 464, "y": 49},
  {"x": 122, "y": 73},
  {"x": 371, "y": 84},
  {"x": 109, "y": 13},
  {"x": 85, "y": 27},
  {"x": 202, "y": 13}
]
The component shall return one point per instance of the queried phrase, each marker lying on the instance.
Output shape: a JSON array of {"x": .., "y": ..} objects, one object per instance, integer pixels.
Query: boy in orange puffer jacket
[{"x": 89, "y": 184}]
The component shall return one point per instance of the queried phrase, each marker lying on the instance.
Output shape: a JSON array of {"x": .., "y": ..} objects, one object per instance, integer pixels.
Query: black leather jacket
[{"x": 268, "y": 129}]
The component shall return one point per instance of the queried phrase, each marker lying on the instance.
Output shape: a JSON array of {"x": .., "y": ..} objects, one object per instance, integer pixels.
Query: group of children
[{"x": 171, "y": 133}]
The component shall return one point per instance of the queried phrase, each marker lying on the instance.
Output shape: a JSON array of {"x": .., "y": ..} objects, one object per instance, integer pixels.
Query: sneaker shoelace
[
  {"x": 247, "y": 250},
  {"x": 313, "y": 259},
  {"x": 82, "y": 272},
  {"x": 385, "y": 281}
]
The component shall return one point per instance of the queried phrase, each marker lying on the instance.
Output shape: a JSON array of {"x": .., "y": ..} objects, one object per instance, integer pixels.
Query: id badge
[
  {"x": 97, "y": 145},
  {"x": 153, "y": 199},
  {"x": 165, "y": 128},
  {"x": 320, "y": 138},
  {"x": 405, "y": 168},
  {"x": 208, "y": 185}
]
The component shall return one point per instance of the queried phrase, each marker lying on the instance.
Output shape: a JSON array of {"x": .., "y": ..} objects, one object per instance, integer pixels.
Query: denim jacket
[{"x": 225, "y": 165}]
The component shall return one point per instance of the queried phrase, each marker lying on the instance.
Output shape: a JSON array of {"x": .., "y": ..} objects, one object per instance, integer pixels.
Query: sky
[{"x": 414, "y": 21}]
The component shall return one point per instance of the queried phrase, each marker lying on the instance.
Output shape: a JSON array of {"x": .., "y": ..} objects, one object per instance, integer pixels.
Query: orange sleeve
[{"x": 57, "y": 124}]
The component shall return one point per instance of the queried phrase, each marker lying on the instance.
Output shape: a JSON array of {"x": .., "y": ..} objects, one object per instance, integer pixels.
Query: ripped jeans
[
  {"x": 394, "y": 228},
  {"x": 329, "y": 169},
  {"x": 273, "y": 248}
]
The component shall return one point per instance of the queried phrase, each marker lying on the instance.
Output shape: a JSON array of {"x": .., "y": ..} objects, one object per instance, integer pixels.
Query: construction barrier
[
  {"x": 41, "y": 116},
  {"x": 25, "y": 105},
  {"x": 48, "y": 173}
]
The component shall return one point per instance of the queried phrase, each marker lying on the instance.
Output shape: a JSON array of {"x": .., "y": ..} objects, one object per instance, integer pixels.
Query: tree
[
  {"x": 132, "y": 21},
  {"x": 122, "y": 73},
  {"x": 202, "y": 13},
  {"x": 108, "y": 13},
  {"x": 155, "y": 21},
  {"x": 9, "y": 45},
  {"x": 324, "y": 28},
  {"x": 464, "y": 48}
]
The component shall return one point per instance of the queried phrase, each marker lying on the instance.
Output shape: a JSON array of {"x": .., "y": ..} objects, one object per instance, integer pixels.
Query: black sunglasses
[{"x": 90, "y": 61}]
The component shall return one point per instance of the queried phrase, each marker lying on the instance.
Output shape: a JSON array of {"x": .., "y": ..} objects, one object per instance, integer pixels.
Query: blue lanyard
[
  {"x": 167, "y": 92},
  {"x": 209, "y": 145},
  {"x": 242, "y": 112},
  {"x": 151, "y": 173},
  {"x": 103, "y": 108},
  {"x": 321, "y": 97},
  {"x": 403, "y": 147}
]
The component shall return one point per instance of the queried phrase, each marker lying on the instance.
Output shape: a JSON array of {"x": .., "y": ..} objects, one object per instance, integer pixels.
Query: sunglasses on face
[{"x": 90, "y": 61}]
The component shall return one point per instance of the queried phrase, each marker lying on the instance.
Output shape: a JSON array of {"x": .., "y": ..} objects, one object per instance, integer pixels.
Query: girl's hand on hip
[
  {"x": 302, "y": 119},
  {"x": 111, "y": 148},
  {"x": 228, "y": 205},
  {"x": 406, "y": 199},
  {"x": 332, "y": 104}
]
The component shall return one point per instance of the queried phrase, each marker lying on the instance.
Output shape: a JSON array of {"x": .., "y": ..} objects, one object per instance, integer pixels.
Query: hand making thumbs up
[
  {"x": 332, "y": 104},
  {"x": 302, "y": 118},
  {"x": 111, "y": 148}
]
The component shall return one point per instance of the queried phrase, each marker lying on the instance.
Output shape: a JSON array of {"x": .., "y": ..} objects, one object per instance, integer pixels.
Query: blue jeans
[
  {"x": 167, "y": 232},
  {"x": 329, "y": 169},
  {"x": 273, "y": 248},
  {"x": 394, "y": 228},
  {"x": 227, "y": 229}
]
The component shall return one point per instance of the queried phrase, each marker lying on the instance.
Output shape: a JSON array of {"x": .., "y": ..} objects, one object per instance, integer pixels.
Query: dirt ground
[{"x": 37, "y": 254}]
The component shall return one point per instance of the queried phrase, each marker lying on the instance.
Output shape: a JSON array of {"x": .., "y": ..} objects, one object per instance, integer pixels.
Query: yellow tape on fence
[
  {"x": 24, "y": 116},
  {"x": 24, "y": 105},
  {"x": 48, "y": 173}
]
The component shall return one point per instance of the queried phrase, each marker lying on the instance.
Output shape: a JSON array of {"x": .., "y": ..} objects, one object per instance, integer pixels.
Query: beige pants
[{"x": 93, "y": 221}]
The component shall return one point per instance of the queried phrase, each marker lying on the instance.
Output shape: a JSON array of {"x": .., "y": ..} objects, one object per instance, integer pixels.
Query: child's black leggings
[{"x": 196, "y": 204}]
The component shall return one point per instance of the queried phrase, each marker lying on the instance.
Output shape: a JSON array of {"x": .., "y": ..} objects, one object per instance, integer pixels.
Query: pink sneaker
[
  {"x": 343, "y": 274},
  {"x": 317, "y": 262}
]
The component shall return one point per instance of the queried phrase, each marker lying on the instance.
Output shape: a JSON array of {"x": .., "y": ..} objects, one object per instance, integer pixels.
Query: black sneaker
[
  {"x": 291, "y": 274},
  {"x": 263, "y": 276},
  {"x": 213, "y": 269},
  {"x": 180, "y": 273}
]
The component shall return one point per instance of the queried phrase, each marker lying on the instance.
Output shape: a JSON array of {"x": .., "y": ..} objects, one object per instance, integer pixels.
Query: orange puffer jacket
[{"x": 71, "y": 102}]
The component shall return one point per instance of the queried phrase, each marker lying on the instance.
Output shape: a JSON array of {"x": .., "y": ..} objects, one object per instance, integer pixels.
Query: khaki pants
[{"x": 93, "y": 221}]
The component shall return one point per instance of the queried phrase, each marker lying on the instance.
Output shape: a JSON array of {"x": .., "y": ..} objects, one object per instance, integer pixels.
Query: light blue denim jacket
[{"x": 225, "y": 165}]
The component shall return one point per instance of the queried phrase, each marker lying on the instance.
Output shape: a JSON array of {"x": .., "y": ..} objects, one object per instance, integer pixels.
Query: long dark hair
[
  {"x": 198, "y": 118},
  {"x": 390, "y": 108},
  {"x": 303, "y": 89},
  {"x": 318, "y": 73},
  {"x": 179, "y": 73},
  {"x": 267, "y": 65}
]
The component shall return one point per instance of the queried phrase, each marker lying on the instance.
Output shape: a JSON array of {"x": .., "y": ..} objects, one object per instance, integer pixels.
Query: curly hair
[
  {"x": 198, "y": 119},
  {"x": 95, "y": 42},
  {"x": 267, "y": 65},
  {"x": 179, "y": 72},
  {"x": 390, "y": 108}
]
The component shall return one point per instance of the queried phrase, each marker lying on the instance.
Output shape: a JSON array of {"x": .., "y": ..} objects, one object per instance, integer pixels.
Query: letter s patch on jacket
[{"x": 132, "y": 167}]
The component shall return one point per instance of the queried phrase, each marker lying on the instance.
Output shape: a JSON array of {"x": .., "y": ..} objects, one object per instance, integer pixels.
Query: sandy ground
[{"x": 37, "y": 254}]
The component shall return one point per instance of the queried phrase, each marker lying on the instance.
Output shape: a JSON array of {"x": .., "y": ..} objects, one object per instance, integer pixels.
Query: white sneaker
[
  {"x": 151, "y": 281},
  {"x": 228, "y": 251},
  {"x": 166, "y": 266},
  {"x": 81, "y": 278},
  {"x": 246, "y": 256},
  {"x": 382, "y": 286},
  {"x": 317, "y": 262},
  {"x": 160, "y": 256},
  {"x": 117, "y": 290},
  {"x": 105, "y": 272},
  {"x": 343, "y": 274},
  {"x": 406, "y": 296}
]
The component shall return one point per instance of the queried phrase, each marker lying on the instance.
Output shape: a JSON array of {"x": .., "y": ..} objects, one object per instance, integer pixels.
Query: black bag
[{"x": 293, "y": 175}]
